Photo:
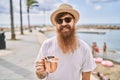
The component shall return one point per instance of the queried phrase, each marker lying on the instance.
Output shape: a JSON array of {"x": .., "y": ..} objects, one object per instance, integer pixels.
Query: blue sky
[{"x": 91, "y": 11}]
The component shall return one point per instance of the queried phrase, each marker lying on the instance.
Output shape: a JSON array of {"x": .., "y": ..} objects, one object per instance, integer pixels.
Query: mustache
[{"x": 66, "y": 26}]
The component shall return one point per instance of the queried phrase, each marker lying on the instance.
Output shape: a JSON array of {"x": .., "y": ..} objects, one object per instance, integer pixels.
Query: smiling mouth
[{"x": 65, "y": 29}]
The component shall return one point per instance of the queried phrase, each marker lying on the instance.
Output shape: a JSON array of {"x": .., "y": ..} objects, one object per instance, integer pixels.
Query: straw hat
[{"x": 64, "y": 8}]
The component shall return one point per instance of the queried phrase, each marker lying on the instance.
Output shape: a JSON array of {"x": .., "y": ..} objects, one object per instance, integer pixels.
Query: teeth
[{"x": 65, "y": 29}]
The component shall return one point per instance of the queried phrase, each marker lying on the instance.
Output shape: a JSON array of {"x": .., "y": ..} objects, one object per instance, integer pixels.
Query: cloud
[
  {"x": 101, "y": 1},
  {"x": 49, "y": 5},
  {"x": 56, "y": 5},
  {"x": 43, "y": 7},
  {"x": 41, "y": 1},
  {"x": 4, "y": 10},
  {"x": 98, "y": 7},
  {"x": 4, "y": 7},
  {"x": 64, "y": 1}
]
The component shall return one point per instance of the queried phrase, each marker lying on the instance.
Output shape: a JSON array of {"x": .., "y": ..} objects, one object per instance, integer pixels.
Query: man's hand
[{"x": 41, "y": 69}]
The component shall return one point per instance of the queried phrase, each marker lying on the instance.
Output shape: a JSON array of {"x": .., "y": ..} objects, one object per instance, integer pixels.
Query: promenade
[{"x": 17, "y": 60}]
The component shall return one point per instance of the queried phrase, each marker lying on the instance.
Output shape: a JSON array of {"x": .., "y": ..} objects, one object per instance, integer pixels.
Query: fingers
[
  {"x": 40, "y": 68},
  {"x": 40, "y": 65}
]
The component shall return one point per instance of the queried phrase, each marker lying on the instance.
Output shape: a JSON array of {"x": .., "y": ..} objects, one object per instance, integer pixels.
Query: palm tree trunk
[
  {"x": 29, "y": 27},
  {"x": 12, "y": 21},
  {"x": 21, "y": 24},
  {"x": 44, "y": 17}
]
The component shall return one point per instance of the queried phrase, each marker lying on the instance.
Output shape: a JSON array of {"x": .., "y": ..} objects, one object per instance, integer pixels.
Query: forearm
[
  {"x": 88, "y": 78},
  {"x": 86, "y": 75},
  {"x": 41, "y": 75}
]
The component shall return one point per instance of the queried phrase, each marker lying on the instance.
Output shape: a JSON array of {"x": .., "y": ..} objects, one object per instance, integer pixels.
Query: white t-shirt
[{"x": 69, "y": 65}]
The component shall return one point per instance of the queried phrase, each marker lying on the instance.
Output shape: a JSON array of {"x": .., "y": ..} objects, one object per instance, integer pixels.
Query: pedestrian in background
[
  {"x": 104, "y": 47},
  {"x": 95, "y": 48}
]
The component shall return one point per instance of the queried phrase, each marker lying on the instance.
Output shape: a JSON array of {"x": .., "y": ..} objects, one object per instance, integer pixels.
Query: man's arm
[{"x": 86, "y": 75}]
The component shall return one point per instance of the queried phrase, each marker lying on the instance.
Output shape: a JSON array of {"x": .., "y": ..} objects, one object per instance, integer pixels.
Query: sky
[{"x": 91, "y": 11}]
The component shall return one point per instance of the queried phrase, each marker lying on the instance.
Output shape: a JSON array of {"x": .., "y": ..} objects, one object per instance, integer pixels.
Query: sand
[{"x": 109, "y": 72}]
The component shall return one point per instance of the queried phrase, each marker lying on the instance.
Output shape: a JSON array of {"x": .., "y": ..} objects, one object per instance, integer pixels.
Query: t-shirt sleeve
[
  {"x": 88, "y": 62},
  {"x": 42, "y": 51}
]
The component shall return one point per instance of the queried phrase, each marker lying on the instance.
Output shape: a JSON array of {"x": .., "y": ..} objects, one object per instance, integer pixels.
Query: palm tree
[
  {"x": 12, "y": 21},
  {"x": 21, "y": 24},
  {"x": 30, "y": 3}
]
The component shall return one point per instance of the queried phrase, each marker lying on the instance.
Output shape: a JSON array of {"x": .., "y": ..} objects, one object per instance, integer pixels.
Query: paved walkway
[{"x": 17, "y": 61}]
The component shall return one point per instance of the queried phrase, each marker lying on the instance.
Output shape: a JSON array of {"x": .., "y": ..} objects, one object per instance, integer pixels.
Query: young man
[{"x": 74, "y": 54}]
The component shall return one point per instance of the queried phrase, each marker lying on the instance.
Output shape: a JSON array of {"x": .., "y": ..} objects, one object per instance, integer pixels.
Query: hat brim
[{"x": 71, "y": 11}]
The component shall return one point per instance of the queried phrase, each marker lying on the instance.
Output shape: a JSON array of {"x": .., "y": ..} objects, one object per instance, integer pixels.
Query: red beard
[{"x": 67, "y": 40}]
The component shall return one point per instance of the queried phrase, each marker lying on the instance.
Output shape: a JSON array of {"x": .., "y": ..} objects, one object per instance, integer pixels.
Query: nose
[{"x": 64, "y": 23}]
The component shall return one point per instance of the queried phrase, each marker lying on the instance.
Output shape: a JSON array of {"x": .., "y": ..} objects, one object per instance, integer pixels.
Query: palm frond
[{"x": 31, "y": 3}]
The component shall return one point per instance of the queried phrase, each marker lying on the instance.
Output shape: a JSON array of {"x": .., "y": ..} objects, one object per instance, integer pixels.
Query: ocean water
[
  {"x": 111, "y": 38},
  {"x": 8, "y": 25},
  {"x": 5, "y": 25}
]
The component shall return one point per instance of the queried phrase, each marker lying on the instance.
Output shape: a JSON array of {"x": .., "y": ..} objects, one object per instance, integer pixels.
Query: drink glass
[{"x": 51, "y": 64}]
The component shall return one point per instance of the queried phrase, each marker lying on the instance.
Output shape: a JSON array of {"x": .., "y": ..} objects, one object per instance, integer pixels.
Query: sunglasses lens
[
  {"x": 67, "y": 20},
  {"x": 59, "y": 21}
]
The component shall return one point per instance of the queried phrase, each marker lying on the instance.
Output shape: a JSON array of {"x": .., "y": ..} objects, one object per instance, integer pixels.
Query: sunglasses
[{"x": 67, "y": 20}]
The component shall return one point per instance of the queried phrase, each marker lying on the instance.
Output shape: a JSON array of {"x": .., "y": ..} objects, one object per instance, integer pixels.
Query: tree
[
  {"x": 21, "y": 21},
  {"x": 12, "y": 21},
  {"x": 30, "y": 3}
]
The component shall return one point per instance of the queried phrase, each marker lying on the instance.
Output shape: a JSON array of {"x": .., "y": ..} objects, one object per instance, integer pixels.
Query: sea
[
  {"x": 8, "y": 25},
  {"x": 111, "y": 37}
]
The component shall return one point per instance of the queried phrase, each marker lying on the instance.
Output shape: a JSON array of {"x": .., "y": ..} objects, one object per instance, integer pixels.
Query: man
[{"x": 74, "y": 54}]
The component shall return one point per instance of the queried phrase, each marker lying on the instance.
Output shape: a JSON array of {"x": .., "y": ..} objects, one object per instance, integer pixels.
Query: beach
[
  {"x": 112, "y": 73},
  {"x": 109, "y": 72}
]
